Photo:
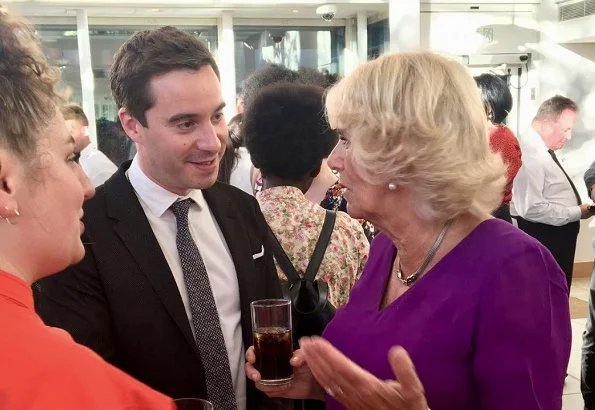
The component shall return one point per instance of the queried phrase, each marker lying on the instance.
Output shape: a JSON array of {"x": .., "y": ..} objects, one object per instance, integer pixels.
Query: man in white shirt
[
  {"x": 173, "y": 259},
  {"x": 95, "y": 163},
  {"x": 547, "y": 205}
]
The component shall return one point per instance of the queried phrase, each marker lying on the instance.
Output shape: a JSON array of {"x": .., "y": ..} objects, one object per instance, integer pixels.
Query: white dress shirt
[
  {"x": 96, "y": 165},
  {"x": 240, "y": 174},
  {"x": 156, "y": 202},
  {"x": 541, "y": 192}
]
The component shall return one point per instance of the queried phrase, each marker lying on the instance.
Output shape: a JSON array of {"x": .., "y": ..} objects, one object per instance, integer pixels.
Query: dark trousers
[
  {"x": 560, "y": 240},
  {"x": 503, "y": 212},
  {"x": 588, "y": 356}
]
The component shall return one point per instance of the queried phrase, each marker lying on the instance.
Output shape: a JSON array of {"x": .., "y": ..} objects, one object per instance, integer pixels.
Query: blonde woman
[{"x": 479, "y": 308}]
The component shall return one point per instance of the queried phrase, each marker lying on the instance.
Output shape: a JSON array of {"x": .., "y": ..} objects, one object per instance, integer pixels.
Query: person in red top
[
  {"x": 42, "y": 189},
  {"x": 497, "y": 101}
]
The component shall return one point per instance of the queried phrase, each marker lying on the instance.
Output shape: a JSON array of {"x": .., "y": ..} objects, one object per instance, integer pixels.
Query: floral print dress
[
  {"x": 297, "y": 223},
  {"x": 333, "y": 201}
]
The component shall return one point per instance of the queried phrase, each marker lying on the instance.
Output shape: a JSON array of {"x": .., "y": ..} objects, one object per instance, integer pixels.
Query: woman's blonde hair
[
  {"x": 28, "y": 101},
  {"x": 416, "y": 119}
]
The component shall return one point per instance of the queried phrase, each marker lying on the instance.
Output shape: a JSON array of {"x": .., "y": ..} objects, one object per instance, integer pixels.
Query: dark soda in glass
[{"x": 273, "y": 349}]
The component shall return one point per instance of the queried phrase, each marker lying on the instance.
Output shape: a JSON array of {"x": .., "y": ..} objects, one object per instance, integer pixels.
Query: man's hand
[{"x": 587, "y": 211}]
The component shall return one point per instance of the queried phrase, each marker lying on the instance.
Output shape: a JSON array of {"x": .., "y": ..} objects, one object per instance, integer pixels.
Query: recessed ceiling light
[
  {"x": 295, "y": 11},
  {"x": 156, "y": 10}
]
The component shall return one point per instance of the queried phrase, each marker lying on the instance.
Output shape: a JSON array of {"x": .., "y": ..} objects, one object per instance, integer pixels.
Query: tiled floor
[{"x": 579, "y": 295}]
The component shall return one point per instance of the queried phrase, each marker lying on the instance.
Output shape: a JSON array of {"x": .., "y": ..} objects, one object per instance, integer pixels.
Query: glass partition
[
  {"x": 105, "y": 41},
  {"x": 59, "y": 44},
  {"x": 378, "y": 39},
  {"x": 320, "y": 48}
]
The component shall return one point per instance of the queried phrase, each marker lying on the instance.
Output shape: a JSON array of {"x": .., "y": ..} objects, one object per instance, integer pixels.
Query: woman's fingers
[
  {"x": 358, "y": 389},
  {"x": 410, "y": 386},
  {"x": 339, "y": 376}
]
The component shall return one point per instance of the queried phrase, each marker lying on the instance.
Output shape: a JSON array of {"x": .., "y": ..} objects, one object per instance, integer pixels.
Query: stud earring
[
  {"x": 392, "y": 186},
  {"x": 16, "y": 213}
]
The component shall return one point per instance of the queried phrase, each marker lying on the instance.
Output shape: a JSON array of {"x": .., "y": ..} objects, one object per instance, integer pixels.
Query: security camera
[
  {"x": 277, "y": 36},
  {"x": 327, "y": 11},
  {"x": 523, "y": 57}
]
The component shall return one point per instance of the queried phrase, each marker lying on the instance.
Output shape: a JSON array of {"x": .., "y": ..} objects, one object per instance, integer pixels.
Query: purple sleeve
[{"x": 523, "y": 335}]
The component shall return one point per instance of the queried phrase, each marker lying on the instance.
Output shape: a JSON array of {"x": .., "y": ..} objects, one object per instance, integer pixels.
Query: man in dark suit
[{"x": 173, "y": 258}]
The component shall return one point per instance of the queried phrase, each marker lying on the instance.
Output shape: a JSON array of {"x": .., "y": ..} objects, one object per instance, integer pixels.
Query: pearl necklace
[{"x": 408, "y": 281}]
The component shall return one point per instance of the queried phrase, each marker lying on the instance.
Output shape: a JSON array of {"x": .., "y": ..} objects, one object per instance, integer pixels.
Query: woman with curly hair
[
  {"x": 287, "y": 136},
  {"x": 42, "y": 189}
]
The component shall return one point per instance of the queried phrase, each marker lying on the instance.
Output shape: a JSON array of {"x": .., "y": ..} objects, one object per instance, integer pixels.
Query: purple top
[{"x": 488, "y": 327}]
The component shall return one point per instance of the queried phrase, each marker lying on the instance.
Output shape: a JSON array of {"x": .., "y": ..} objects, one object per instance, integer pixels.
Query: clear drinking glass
[
  {"x": 271, "y": 328},
  {"x": 193, "y": 404}
]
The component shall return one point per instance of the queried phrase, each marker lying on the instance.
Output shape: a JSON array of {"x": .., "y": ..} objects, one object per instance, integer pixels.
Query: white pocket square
[{"x": 259, "y": 254}]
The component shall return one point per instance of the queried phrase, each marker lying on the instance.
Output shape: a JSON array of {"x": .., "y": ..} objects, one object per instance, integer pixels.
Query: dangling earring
[{"x": 392, "y": 186}]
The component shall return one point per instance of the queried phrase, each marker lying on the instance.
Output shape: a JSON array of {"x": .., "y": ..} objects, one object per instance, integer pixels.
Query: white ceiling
[
  {"x": 181, "y": 8},
  {"x": 293, "y": 9}
]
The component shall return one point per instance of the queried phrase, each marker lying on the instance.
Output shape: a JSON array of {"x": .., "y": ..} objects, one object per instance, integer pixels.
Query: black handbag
[{"x": 311, "y": 310}]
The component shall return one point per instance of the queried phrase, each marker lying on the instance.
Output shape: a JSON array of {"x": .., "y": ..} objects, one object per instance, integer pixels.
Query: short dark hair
[
  {"x": 266, "y": 75},
  {"x": 150, "y": 53},
  {"x": 308, "y": 75},
  {"x": 551, "y": 108},
  {"x": 75, "y": 112},
  {"x": 496, "y": 95},
  {"x": 234, "y": 126},
  {"x": 228, "y": 162},
  {"x": 286, "y": 131},
  {"x": 275, "y": 73}
]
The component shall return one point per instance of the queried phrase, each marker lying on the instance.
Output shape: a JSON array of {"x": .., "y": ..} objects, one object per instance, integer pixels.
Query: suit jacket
[{"x": 122, "y": 301}]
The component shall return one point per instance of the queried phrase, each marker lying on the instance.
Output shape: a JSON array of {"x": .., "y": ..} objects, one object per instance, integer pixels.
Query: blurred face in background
[
  {"x": 80, "y": 134},
  {"x": 555, "y": 133}
]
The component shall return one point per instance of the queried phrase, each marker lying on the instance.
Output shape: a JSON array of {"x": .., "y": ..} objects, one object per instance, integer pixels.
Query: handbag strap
[
  {"x": 321, "y": 245},
  {"x": 316, "y": 258}
]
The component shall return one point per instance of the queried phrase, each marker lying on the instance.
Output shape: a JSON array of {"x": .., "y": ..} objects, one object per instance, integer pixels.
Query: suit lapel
[
  {"x": 138, "y": 237},
  {"x": 238, "y": 242}
]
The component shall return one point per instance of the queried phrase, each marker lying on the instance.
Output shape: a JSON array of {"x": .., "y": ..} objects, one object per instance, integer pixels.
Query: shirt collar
[
  {"x": 16, "y": 290},
  {"x": 536, "y": 140},
  {"x": 157, "y": 198},
  {"x": 85, "y": 152}
]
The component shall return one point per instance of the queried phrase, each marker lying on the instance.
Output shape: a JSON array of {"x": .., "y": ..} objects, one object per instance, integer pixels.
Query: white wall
[{"x": 567, "y": 70}]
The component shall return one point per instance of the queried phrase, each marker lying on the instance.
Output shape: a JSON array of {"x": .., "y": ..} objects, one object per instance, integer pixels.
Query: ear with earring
[
  {"x": 10, "y": 214},
  {"x": 392, "y": 186}
]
